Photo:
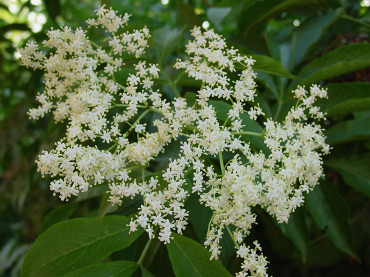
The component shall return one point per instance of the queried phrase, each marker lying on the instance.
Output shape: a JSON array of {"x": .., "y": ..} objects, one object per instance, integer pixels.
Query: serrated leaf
[
  {"x": 166, "y": 40},
  {"x": 216, "y": 15},
  {"x": 343, "y": 60},
  {"x": 271, "y": 66},
  {"x": 351, "y": 130},
  {"x": 76, "y": 243},
  {"x": 330, "y": 212},
  {"x": 189, "y": 258},
  {"x": 110, "y": 269},
  {"x": 355, "y": 171},
  {"x": 344, "y": 98}
]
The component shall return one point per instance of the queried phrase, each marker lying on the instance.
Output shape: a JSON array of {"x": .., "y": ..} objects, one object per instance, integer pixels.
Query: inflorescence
[{"x": 102, "y": 114}]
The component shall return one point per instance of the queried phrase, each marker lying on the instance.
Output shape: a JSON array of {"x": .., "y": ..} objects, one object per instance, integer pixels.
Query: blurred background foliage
[{"x": 293, "y": 41}]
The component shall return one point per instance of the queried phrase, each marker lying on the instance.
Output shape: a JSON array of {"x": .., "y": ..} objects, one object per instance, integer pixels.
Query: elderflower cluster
[{"x": 108, "y": 139}]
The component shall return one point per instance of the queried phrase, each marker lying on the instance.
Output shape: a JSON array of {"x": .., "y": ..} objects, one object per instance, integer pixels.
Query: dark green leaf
[
  {"x": 58, "y": 214},
  {"x": 296, "y": 230},
  {"x": 272, "y": 44},
  {"x": 145, "y": 272},
  {"x": 216, "y": 15},
  {"x": 308, "y": 33},
  {"x": 76, "y": 243},
  {"x": 166, "y": 41},
  {"x": 199, "y": 217},
  {"x": 110, "y": 269},
  {"x": 189, "y": 258},
  {"x": 187, "y": 14},
  {"x": 323, "y": 252},
  {"x": 271, "y": 66},
  {"x": 343, "y": 60},
  {"x": 52, "y": 7},
  {"x": 268, "y": 82},
  {"x": 346, "y": 98},
  {"x": 351, "y": 130},
  {"x": 264, "y": 10},
  {"x": 330, "y": 212},
  {"x": 355, "y": 171}
]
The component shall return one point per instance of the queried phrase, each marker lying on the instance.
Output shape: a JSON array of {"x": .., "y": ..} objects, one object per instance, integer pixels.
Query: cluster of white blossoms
[{"x": 107, "y": 139}]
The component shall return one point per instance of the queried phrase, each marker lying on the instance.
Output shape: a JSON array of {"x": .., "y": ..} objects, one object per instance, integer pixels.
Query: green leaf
[
  {"x": 145, "y": 272},
  {"x": 187, "y": 15},
  {"x": 110, "y": 269},
  {"x": 76, "y": 243},
  {"x": 323, "y": 253},
  {"x": 330, "y": 212},
  {"x": 268, "y": 82},
  {"x": 166, "y": 41},
  {"x": 355, "y": 171},
  {"x": 189, "y": 258},
  {"x": 217, "y": 15},
  {"x": 343, "y": 60},
  {"x": 272, "y": 44},
  {"x": 264, "y": 10},
  {"x": 308, "y": 33},
  {"x": 93, "y": 192},
  {"x": 344, "y": 98},
  {"x": 271, "y": 66},
  {"x": 296, "y": 230},
  {"x": 199, "y": 216},
  {"x": 58, "y": 214},
  {"x": 351, "y": 130}
]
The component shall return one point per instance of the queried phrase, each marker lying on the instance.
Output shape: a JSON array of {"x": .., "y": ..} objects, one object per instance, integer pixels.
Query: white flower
[{"x": 94, "y": 105}]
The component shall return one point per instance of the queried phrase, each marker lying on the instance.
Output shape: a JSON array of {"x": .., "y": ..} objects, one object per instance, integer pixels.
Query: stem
[
  {"x": 134, "y": 167},
  {"x": 209, "y": 223},
  {"x": 226, "y": 121},
  {"x": 231, "y": 235},
  {"x": 94, "y": 44},
  {"x": 145, "y": 251},
  {"x": 248, "y": 133},
  {"x": 170, "y": 83},
  {"x": 155, "y": 110},
  {"x": 136, "y": 121},
  {"x": 110, "y": 148},
  {"x": 221, "y": 162},
  {"x": 348, "y": 17},
  {"x": 140, "y": 107}
]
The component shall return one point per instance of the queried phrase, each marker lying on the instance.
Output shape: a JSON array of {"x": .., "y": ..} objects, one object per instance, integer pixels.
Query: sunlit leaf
[
  {"x": 76, "y": 243},
  {"x": 189, "y": 258}
]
